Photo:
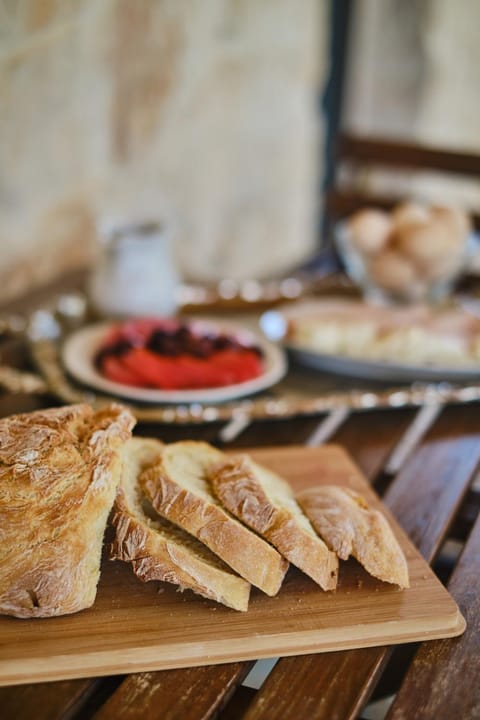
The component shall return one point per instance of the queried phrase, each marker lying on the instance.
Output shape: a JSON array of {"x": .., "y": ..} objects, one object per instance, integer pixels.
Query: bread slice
[
  {"x": 58, "y": 478},
  {"x": 156, "y": 548},
  {"x": 265, "y": 502},
  {"x": 349, "y": 526},
  {"x": 178, "y": 489}
]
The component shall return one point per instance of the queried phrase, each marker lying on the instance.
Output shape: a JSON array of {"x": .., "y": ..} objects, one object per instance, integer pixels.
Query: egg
[
  {"x": 369, "y": 230},
  {"x": 410, "y": 213},
  {"x": 392, "y": 271}
]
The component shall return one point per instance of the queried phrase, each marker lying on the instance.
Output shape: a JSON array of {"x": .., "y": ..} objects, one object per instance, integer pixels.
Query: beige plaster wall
[
  {"x": 413, "y": 71},
  {"x": 200, "y": 110},
  {"x": 413, "y": 75}
]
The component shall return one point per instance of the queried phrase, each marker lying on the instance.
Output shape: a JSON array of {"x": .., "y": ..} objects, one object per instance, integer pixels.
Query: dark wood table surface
[{"x": 435, "y": 498}]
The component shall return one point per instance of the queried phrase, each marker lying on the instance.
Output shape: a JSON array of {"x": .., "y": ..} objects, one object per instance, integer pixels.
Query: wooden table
[{"x": 435, "y": 499}]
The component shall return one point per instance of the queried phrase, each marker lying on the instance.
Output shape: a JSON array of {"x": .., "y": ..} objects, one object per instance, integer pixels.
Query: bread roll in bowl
[
  {"x": 455, "y": 218},
  {"x": 413, "y": 253},
  {"x": 369, "y": 230},
  {"x": 431, "y": 245},
  {"x": 392, "y": 271},
  {"x": 410, "y": 213}
]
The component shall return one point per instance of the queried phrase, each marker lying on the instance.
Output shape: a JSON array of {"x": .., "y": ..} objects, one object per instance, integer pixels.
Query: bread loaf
[
  {"x": 178, "y": 489},
  {"x": 349, "y": 526},
  {"x": 265, "y": 502},
  {"x": 58, "y": 477},
  {"x": 156, "y": 548}
]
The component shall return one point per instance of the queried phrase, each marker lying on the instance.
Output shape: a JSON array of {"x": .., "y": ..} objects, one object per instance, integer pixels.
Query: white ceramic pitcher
[{"x": 135, "y": 275}]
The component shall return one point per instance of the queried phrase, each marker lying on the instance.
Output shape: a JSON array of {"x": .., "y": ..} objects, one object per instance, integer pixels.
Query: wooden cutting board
[{"x": 137, "y": 626}]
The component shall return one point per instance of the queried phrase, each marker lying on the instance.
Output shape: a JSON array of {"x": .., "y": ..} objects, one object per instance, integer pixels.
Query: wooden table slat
[
  {"x": 370, "y": 437},
  {"x": 443, "y": 680},
  {"x": 467, "y": 514},
  {"x": 45, "y": 701},
  {"x": 427, "y": 493},
  {"x": 188, "y": 694},
  {"x": 293, "y": 431},
  {"x": 319, "y": 686}
]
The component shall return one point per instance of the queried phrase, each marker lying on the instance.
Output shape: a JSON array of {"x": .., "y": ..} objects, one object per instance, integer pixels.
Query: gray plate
[{"x": 371, "y": 370}]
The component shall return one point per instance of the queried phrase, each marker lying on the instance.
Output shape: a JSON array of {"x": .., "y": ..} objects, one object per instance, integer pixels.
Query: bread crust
[
  {"x": 237, "y": 482},
  {"x": 156, "y": 549},
  {"x": 350, "y": 526},
  {"x": 58, "y": 477},
  {"x": 179, "y": 490}
]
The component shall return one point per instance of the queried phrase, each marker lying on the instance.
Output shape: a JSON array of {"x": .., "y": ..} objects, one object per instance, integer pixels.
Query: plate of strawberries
[{"x": 169, "y": 360}]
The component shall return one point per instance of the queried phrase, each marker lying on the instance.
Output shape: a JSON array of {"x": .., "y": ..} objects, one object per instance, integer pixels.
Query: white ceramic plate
[
  {"x": 370, "y": 370},
  {"x": 274, "y": 324},
  {"x": 80, "y": 348}
]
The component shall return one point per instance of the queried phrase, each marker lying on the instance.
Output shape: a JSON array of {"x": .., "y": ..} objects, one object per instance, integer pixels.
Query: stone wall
[{"x": 203, "y": 111}]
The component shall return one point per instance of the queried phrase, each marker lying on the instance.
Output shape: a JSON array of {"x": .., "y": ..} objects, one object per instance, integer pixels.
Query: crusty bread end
[
  {"x": 59, "y": 473},
  {"x": 349, "y": 526}
]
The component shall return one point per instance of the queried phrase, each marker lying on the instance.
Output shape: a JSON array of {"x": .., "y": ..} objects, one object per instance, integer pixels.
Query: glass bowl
[{"x": 403, "y": 262}]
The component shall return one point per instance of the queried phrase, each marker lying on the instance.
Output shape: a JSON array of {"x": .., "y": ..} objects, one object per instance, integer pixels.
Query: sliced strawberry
[
  {"x": 202, "y": 372},
  {"x": 242, "y": 365},
  {"x": 113, "y": 369},
  {"x": 160, "y": 372}
]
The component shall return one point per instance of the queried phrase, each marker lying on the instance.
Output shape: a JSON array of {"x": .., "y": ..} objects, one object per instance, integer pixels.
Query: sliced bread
[
  {"x": 177, "y": 486},
  {"x": 349, "y": 526},
  {"x": 157, "y": 549},
  {"x": 265, "y": 502}
]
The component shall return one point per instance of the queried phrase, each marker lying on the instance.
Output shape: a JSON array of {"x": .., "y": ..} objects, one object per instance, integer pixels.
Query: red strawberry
[
  {"x": 113, "y": 369},
  {"x": 242, "y": 365},
  {"x": 202, "y": 372},
  {"x": 160, "y": 372}
]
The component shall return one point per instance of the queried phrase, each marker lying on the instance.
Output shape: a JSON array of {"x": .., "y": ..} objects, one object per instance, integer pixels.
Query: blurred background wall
[
  {"x": 413, "y": 71},
  {"x": 207, "y": 113},
  {"x": 412, "y": 75},
  {"x": 204, "y": 111}
]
